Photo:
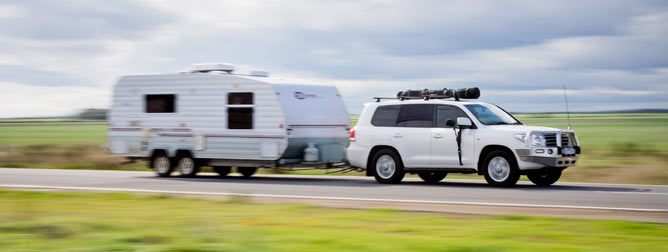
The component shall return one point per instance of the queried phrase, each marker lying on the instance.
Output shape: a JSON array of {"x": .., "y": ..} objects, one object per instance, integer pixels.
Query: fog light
[
  {"x": 540, "y": 151},
  {"x": 550, "y": 151}
]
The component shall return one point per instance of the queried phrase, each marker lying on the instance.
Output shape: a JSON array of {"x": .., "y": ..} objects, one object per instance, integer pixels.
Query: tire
[
  {"x": 501, "y": 169},
  {"x": 544, "y": 178},
  {"x": 162, "y": 165},
  {"x": 388, "y": 168},
  {"x": 222, "y": 170},
  {"x": 246, "y": 172},
  {"x": 187, "y": 166},
  {"x": 432, "y": 177}
]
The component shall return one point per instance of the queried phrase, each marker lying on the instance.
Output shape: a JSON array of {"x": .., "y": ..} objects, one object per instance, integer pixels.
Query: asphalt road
[{"x": 607, "y": 201}]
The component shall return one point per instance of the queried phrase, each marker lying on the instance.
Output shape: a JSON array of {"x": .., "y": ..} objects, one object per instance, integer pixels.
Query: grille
[
  {"x": 565, "y": 139},
  {"x": 550, "y": 139}
]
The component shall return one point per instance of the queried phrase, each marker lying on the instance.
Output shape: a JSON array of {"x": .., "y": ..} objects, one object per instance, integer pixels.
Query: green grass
[
  {"x": 41, "y": 221},
  {"x": 52, "y": 131}
]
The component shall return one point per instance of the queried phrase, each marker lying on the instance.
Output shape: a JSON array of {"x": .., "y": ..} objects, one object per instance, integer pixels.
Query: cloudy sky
[{"x": 60, "y": 56}]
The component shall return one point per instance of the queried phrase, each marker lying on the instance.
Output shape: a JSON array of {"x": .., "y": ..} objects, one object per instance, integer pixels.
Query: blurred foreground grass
[
  {"x": 47, "y": 221},
  {"x": 617, "y": 148}
]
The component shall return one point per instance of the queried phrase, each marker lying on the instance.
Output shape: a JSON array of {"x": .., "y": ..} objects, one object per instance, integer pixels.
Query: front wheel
[
  {"x": 388, "y": 167},
  {"x": 432, "y": 177},
  {"x": 545, "y": 178},
  {"x": 501, "y": 169}
]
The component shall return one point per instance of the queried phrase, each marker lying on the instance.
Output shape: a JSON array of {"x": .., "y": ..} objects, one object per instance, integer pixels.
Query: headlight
[
  {"x": 521, "y": 137},
  {"x": 537, "y": 139}
]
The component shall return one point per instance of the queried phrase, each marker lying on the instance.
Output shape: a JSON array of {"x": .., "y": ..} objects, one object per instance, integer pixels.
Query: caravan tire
[
  {"x": 187, "y": 166},
  {"x": 222, "y": 170},
  {"x": 162, "y": 165},
  {"x": 247, "y": 171}
]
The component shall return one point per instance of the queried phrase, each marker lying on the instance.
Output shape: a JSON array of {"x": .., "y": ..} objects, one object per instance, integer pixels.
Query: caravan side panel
[{"x": 199, "y": 123}]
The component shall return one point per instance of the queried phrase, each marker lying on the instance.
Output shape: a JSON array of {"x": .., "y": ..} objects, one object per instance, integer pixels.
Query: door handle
[
  {"x": 438, "y": 135},
  {"x": 397, "y": 135}
]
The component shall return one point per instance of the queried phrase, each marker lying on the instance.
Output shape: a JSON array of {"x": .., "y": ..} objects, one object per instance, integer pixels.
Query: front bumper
[{"x": 549, "y": 156}]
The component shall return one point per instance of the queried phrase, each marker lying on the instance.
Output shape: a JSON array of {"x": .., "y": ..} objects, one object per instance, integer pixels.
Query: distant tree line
[{"x": 93, "y": 114}]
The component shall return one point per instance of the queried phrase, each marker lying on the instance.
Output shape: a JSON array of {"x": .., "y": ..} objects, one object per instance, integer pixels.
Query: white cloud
[{"x": 8, "y": 11}]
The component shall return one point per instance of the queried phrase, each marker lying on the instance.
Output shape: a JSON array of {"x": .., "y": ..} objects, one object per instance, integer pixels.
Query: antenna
[{"x": 568, "y": 113}]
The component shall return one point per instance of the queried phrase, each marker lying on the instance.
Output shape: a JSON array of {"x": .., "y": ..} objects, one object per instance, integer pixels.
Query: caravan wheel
[
  {"x": 188, "y": 167},
  {"x": 222, "y": 170},
  {"x": 247, "y": 171},
  {"x": 161, "y": 164}
]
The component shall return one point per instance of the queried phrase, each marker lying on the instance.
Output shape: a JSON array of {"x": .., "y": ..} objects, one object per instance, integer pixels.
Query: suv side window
[
  {"x": 416, "y": 115},
  {"x": 446, "y": 112},
  {"x": 385, "y": 116}
]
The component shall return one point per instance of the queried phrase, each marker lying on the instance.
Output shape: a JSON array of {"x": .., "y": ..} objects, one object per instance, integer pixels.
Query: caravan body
[{"x": 223, "y": 119}]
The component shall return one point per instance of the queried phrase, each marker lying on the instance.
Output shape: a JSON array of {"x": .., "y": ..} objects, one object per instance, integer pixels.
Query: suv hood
[{"x": 520, "y": 128}]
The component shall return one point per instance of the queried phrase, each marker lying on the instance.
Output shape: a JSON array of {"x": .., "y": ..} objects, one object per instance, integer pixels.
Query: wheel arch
[
  {"x": 184, "y": 153},
  {"x": 369, "y": 169},
  {"x": 490, "y": 148}
]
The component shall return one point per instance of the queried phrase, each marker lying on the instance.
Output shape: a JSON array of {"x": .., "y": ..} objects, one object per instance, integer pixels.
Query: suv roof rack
[{"x": 426, "y": 94}]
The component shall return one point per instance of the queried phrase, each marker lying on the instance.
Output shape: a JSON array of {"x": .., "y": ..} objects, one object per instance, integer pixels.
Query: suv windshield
[{"x": 490, "y": 114}]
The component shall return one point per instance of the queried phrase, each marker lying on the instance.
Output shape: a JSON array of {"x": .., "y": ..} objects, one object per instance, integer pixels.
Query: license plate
[{"x": 568, "y": 151}]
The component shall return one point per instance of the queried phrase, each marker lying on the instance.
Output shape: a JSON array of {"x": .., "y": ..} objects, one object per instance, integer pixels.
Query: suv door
[
  {"x": 412, "y": 135},
  {"x": 444, "y": 140}
]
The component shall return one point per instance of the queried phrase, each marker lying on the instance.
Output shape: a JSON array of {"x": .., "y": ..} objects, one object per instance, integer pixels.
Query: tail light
[{"x": 352, "y": 135}]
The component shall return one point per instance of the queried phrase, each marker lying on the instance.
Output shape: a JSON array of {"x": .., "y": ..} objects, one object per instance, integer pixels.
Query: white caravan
[{"x": 214, "y": 116}]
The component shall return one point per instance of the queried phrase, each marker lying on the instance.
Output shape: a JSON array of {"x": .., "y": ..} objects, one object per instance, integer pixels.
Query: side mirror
[
  {"x": 450, "y": 123},
  {"x": 464, "y": 122}
]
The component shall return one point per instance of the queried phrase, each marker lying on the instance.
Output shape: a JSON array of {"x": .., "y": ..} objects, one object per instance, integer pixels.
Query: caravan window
[
  {"x": 240, "y": 110},
  {"x": 240, "y": 98},
  {"x": 163, "y": 103},
  {"x": 240, "y": 118}
]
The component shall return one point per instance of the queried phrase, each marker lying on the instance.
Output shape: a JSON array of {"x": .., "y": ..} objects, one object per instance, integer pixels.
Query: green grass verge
[{"x": 41, "y": 221}]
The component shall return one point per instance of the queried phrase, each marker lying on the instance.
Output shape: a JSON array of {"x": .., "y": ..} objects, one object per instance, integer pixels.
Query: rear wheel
[
  {"x": 432, "y": 177},
  {"x": 222, "y": 170},
  {"x": 247, "y": 171},
  {"x": 161, "y": 164},
  {"x": 544, "y": 178},
  {"x": 388, "y": 168},
  {"x": 501, "y": 169},
  {"x": 187, "y": 166}
]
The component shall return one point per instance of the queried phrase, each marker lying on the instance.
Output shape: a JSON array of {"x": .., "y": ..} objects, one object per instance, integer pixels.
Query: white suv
[{"x": 433, "y": 137}]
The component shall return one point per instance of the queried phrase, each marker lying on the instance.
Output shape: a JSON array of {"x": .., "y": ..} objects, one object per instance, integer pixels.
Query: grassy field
[
  {"x": 619, "y": 148},
  {"x": 47, "y": 221}
]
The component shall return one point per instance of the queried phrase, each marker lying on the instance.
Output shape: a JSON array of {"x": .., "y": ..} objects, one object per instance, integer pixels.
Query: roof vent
[
  {"x": 259, "y": 73},
  {"x": 208, "y": 67}
]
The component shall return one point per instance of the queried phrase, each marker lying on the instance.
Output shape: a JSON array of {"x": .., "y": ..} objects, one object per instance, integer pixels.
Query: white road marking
[{"x": 337, "y": 198}]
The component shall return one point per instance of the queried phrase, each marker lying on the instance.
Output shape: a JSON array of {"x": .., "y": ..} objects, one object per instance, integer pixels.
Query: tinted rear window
[
  {"x": 416, "y": 115},
  {"x": 385, "y": 116}
]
